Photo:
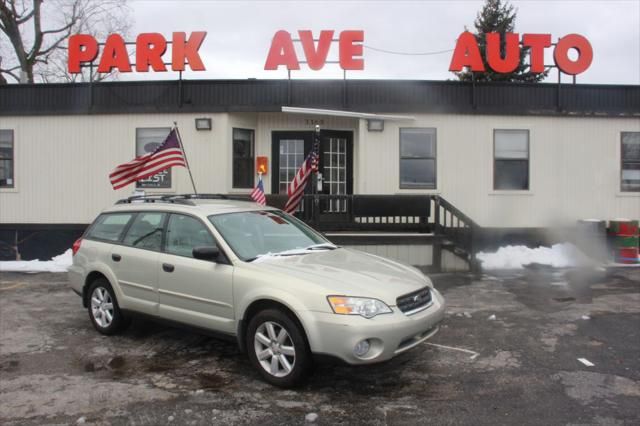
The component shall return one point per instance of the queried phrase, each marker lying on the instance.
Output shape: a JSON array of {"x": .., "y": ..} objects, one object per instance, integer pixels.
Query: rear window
[
  {"x": 110, "y": 226},
  {"x": 146, "y": 231}
]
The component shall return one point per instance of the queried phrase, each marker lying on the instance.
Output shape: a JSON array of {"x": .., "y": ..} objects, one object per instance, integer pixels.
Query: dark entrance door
[
  {"x": 335, "y": 166},
  {"x": 336, "y": 171},
  {"x": 288, "y": 151}
]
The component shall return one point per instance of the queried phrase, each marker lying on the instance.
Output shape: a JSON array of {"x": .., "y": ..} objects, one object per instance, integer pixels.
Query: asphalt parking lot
[{"x": 507, "y": 354}]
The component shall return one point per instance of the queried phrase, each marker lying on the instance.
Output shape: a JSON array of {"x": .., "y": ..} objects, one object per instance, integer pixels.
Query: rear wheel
[
  {"x": 104, "y": 311},
  {"x": 278, "y": 348}
]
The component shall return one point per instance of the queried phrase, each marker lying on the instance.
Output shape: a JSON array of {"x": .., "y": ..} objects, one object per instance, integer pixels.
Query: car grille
[{"x": 415, "y": 301}]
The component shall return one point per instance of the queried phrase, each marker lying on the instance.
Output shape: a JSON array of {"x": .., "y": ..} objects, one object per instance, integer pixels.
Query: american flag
[
  {"x": 167, "y": 155},
  {"x": 258, "y": 193},
  {"x": 297, "y": 185}
]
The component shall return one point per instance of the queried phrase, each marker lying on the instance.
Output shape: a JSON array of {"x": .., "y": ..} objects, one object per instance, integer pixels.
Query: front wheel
[{"x": 278, "y": 348}]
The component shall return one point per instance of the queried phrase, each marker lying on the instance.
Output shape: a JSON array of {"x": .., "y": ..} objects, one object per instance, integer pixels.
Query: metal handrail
[
  {"x": 456, "y": 226},
  {"x": 444, "y": 219}
]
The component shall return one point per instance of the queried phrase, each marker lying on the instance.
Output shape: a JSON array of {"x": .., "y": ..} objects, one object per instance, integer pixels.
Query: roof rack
[{"x": 180, "y": 198}]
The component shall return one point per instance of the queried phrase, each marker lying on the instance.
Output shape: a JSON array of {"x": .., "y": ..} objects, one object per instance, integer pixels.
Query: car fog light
[{"x": 361, "y": 348}]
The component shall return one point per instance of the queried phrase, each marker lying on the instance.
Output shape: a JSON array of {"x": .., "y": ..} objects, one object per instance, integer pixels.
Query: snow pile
[
  {"x": 563, "y": 255},
  {"x": 57, "y": 264}
]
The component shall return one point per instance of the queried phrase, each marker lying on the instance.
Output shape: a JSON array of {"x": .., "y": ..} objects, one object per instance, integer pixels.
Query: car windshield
[{"x": 268, "y": 232}]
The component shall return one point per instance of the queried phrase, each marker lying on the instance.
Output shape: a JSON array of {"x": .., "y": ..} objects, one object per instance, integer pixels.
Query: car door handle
[
  {"x": 168, "y": 267},
  {"x": 116, "y": 257}
]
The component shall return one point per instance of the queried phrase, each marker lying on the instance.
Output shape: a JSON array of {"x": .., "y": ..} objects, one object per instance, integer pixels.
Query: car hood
[{"x": 349, "y": 272}]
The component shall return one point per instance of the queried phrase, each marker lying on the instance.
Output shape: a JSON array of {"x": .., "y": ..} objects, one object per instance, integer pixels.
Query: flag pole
[
  {"x": 315, "y": 206},
  {"x": 316, "y": 142},
  {"x": 185, "y": 157}
]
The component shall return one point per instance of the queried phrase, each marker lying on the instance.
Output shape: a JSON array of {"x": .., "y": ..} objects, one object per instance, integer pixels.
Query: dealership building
[{"x": 511, "y": 159}]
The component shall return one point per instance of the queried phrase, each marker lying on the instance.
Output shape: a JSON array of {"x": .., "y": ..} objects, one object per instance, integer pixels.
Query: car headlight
[{"x": 362, "y": 306}]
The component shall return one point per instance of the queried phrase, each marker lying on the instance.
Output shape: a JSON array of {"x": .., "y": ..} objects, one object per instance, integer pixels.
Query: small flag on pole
[
  {"x": 299, "y": 182},
  {"x": 258, "y": 193},
  {"x": 167, "y": 155}
]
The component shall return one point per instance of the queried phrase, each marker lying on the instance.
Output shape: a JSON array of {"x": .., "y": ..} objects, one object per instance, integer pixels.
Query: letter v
[{"x": 316, "y": 58}]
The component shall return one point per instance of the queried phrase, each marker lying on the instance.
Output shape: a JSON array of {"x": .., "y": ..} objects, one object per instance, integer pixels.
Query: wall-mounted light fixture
[
  {"x": 374, "y": 125},
  {"x": 203, "y": 123}
]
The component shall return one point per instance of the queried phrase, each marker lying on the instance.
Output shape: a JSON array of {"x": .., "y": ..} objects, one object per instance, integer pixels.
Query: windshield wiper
[
  {"x": 297, "y": 252},
  {"x": 322, "y": 246}
]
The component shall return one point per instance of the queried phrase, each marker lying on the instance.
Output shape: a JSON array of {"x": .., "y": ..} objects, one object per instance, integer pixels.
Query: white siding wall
[
  {"x": 574, "y": 168},
  {"x": 416, "y": 255},
  {"x": 62, "y": 163}
]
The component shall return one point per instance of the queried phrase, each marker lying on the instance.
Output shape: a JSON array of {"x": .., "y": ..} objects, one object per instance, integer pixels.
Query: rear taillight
[{"x": 76, "y": 246}]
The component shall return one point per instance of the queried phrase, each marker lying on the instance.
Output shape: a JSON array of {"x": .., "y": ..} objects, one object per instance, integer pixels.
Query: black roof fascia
[{"x": 381, "y": 96}]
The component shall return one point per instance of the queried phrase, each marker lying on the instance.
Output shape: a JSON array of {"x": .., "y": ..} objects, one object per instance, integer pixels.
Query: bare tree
[
  {"x": 2, "y": 79},
  {"x": 38, "y": 31}
]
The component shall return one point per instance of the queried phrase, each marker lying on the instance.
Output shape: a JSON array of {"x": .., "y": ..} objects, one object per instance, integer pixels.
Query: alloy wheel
[
  {"x": 274, "y": 349},
  {"x": 102, "y": 307}
]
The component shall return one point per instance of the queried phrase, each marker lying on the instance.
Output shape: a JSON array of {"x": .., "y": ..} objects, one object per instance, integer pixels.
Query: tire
[
  {"x": 104, "y": 310},
  {"x": 283, "y": 360}
]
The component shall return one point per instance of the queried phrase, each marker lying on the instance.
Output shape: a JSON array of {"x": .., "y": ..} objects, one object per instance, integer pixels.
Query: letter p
[{"x": 82, "y": 48}]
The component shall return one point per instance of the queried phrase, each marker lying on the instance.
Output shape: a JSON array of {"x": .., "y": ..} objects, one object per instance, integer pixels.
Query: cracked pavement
[{"x": 56, "y": 369}]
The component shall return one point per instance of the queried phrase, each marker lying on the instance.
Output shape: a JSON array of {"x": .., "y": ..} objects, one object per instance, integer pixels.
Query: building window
[
  {"x": 148, "y": 140},
  {"x": 418, "y": 158},
  {"x": 6, "y": 159},
  {"x": 511, "y": 160},
  {"x": 243, "y": 141},
  {"x": 630, "y": 162}
]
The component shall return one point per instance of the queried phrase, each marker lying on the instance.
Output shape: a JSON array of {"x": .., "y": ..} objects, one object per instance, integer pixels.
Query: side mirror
[{"x": 210, "y": 253}]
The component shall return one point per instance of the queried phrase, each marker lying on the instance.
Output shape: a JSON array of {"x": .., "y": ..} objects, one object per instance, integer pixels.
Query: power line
[{"x": 392, "y": 52}]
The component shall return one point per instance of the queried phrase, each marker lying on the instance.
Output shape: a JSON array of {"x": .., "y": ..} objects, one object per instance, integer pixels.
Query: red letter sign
[
  {"x": 316, "y": 57},
  {"x": 282, "y": 53},
  {"x": 187, "y": 51},
  {"x": 114, "y": 55},
  {"x": 585, "y": 54},
  {"x": 82, "y": 48},
  {"x": 466, "y": 54},
  {"x": 349, "y": 50},
  {"x": 149, "y": 50},
  {"x": 512, "y": 52},
  {"x": 537, "y": 43}
]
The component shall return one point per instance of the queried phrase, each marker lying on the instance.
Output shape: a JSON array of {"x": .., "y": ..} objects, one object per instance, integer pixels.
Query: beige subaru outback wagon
[{"x": 255, "y": 274}]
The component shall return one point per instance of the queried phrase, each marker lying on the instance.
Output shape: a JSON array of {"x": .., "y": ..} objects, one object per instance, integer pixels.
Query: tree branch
[
  {"x": 59, "y": 30},
  {"x": 11, "y": 74},
  {"x": 13, "y": 7},
  {"x": 53, "y": 46},
  {"x": 25, "y": 18},
  {"x": 17, "y": 67},
  {"x": 37, "y": 30}
]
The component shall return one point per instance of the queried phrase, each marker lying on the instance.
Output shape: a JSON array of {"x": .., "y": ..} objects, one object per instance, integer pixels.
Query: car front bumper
[{"x": 388, "y": 334}]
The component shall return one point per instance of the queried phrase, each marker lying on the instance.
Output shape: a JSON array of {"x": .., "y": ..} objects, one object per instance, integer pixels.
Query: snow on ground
[
  {"x": 563, "y": 255},
  {"x": 57, "y": 264}
]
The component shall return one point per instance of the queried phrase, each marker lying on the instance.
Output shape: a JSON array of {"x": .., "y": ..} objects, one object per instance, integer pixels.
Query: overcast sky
[{"x": 240, "y": 33}]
